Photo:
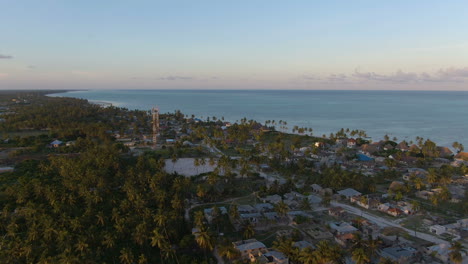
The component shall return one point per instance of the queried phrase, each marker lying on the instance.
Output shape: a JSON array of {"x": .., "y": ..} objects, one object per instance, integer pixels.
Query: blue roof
[{"x": 363, "y": 157}]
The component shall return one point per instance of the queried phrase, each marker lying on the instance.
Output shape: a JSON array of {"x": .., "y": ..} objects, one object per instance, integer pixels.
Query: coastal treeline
[{"x": 70, "y": 118}]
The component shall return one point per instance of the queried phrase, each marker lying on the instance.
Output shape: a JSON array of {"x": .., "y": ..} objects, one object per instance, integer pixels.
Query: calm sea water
[{"x": 439, "y": 116}]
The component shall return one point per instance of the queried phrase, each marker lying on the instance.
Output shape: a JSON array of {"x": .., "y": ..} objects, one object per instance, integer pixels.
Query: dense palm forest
[{"x": 96, "y": 205}]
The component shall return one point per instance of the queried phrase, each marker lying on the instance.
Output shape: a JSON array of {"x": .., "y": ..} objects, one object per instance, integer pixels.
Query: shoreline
[
  {"x": 375, "y": 137},
  {"x": 61, "y": 91},
  {"x": 96, "y": 102}
]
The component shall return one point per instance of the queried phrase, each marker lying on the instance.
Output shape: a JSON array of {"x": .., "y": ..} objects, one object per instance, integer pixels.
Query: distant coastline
[
  {"x": 96, "y": 102},
  {"x": 403, "y": 114},
  {"x": 101, "y": 103}
]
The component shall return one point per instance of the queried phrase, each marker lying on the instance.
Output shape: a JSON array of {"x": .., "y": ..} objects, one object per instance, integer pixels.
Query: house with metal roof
[{"x": 348, "y": 193}]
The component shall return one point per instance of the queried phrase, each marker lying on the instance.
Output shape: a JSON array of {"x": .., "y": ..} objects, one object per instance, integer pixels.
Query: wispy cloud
[
  {"x": 398, "y": 77},
  {"x": 337, "y": 78},
  {"x": 176, "y": 78},
  {"x": 453, "y": 74},
  {"x": 443, "y": 75},
  {"x": 310, "y": 77},
  {"x": 447, "y": 75},
  {"x": 6, "y": 57}
]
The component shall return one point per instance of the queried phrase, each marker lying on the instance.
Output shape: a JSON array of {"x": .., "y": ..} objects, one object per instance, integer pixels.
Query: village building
[
  {"x": 208, "y": 212},
  {"x": 351, "y": 143},
  {"x": 461, "y": 156},
  {"x": 264, "y": 207},
  {"x": 342, "y": 227},
  {"x": 440, "y": 251},
  {"x": 394, "y": 212},
  {"x": 399, "y": 254},
  {"x": 250, "y": 246},
  {"x": 253, "y": 218},
  {"x": 462, "y": 223},
  {"x": 303, "y": 244},
  {"x": 256, "y": 251},
  {"x": 344, "y": 240},
  {"x": 424, "y": 194},
  {"x": 314, "y": 200},
  {"x": 274, "y": 257},
  {"x": 316, "y": 188},
  {"x": 273, "y": 199},
  {"x": 336, "y": 211},
  {"x": 349, "y": 192},
  {"x": 318, "y": 233},
  {"x": 56, "y": 143},
  {"x": 246, "y": 208},
  {"x": 444, "y": 152},
  {"x": 293, "y": 196},
  {"x": 403, "y": 146},
  {"x": 271, "y": 217}
]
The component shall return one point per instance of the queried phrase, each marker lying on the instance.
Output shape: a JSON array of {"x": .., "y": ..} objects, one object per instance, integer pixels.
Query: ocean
[{"x": 441, "y": 116}]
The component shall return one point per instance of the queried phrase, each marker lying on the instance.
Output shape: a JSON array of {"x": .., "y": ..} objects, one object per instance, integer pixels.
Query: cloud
[
  {"x": 445, "y": 75},
  {"x": 176, "y": 78},
  {"x": 3, "y": 75},
  {"x": 453, "y": 73},
  {"x": 309, "y": 77},
  {"x": 448, "y": 75},
  {"x": 337, "y": 77},
  {"x": 398, "y": 77},
  {"x": 6, "y": 57}
]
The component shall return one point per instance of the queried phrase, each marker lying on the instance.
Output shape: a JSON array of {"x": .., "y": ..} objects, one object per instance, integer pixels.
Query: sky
[{"x": 251, "y": 44}]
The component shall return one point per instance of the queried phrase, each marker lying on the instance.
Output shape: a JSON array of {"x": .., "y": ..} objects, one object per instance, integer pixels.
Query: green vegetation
[
  {"x": 91, "y": 202},
  {"x": 103, "y": 195}
]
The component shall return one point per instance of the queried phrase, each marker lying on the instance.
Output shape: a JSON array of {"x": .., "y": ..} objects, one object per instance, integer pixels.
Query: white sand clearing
[{"x": 186, "y": 167}]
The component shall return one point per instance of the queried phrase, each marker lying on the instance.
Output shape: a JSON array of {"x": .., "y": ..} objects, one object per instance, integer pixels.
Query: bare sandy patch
[{"x": 186, "y": 167}]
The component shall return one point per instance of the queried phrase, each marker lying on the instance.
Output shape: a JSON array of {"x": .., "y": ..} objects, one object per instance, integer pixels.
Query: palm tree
[
  {"x": 248, "y": 230},
  {"x": 233, "y": 212},
  {"x": 204, "y": 238},
  {"x": 418, "y": 183},
  {"x": 174, "y": 160},
  {"x": 308, "y": 256},
  {"x": 158, "y": 239},
  {"x": 196, "y": 163},
  {"x": 305, "y": 204},
  {"x": 211, "y": 161},
  {"x": 328, "y": 253},
  {"x": 358, "y": 242},
  {"x": 227, "y": 250},
  {"x": 126, "y": 256},
  {"x": 213, "y": 177},
  {"x": 286, "y": 246},
  {"x": 201, "y": 192},
  {"x": 109, "y": 240},
  {"x": 360, "y": 256},
  {"x": 432, "y": 176},
  {"x": 282, "y": 208},
  {"x": 199, "y": 219},
  {"x": 455, "y": 252},
  {"x": 373, "y": 246},
  {"x": 416, "y": 205}
]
